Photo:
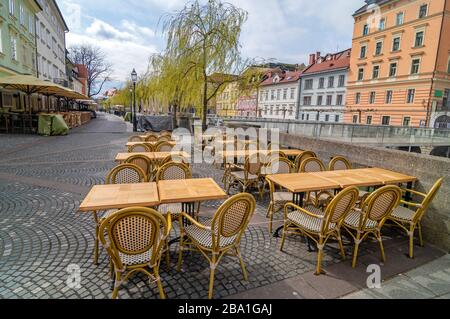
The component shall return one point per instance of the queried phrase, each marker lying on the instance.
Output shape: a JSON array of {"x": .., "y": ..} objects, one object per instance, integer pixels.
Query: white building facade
[
  {"x": 279, "y": 96},
  {"x": 51, "y": 43},
  {"x": 324, "y": 87}
]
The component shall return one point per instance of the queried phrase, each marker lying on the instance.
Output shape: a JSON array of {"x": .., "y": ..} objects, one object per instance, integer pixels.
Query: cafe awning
[{"x": 29, "y": 84}]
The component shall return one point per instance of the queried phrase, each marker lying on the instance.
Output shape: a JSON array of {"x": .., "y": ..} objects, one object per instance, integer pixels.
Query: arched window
[{"x": 448, "y": 65}]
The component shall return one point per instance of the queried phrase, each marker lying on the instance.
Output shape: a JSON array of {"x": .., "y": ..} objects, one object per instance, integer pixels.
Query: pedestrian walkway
[{"x": 431, "y": 281}]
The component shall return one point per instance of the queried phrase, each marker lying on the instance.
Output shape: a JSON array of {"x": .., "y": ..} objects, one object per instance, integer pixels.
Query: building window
[
  {"x": 386, "y": 120},
  {"x": 448, "y": 66},
  {"x": 379, "y": 48},
  {"x": 372, "y": 97},
  {"x": 369, "y": 120},
  {"x": 419, "y": 39},
  {"x": 389, "y": 96},
  {"x": 406, "y": 121},
  {"x": 411, "y": 95},
  {"x": 376, "y": 72},
  {"x": 396, "y": 44},
  {"x": 307, "y": 100},
  {"x": 423, "y": 11},
  {"x": 309, "y": 84},
  {"x": 307, "y": 117},
  {"x": 14, "y": 48},
  {"x": 415, "y": 66},
  {"x": 382, "y": 25},
  {"x": 355, "y": 119},
  {"x": 336, "y": 118},
  {"x": 12, "y": 7},
  {"x": 22, "y": 15},
  {"x": 319, "y": 100},
  {"x": 360, "y": 74},
  {"x": 285, "y": 93},
  {"x": 327, "y": 118},
  {"x": 331, "y": 82},
  {"x": 341, "y": 83},
  {"x": 30, "y": 24},
  {"x": 321, "y": 83},
  {"x": 1, "y": 40},
  {"x": 365, "y": 30},
  {"x": 400, "y": 18},
  {"x": 329, "y": 100},
  {"x": 303, "y": 117},
  {"x": 272, "y": 95},
  {"x": 339, "y": 99},
  {"x": 393, "y": 69},
  {"x": 292, "y": 94},
  {"x": 363, "y": 52},
  {"x": 358, "y": 98}
]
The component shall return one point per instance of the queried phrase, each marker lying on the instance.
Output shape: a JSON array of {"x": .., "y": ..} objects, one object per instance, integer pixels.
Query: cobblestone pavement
[{"x": 42, "y": 183}]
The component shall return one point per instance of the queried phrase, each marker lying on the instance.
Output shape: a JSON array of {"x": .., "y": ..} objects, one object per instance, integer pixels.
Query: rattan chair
[
  {"x": 164, "y": 147},
  {"x": 164, "y": 138},
  {"x": 339, "y": 163},
  {"x": 220, "y": 236},
  {"x": 277, "y": 199},
  {"x": 320, "y": 225},
  {"x": 409, "y": 218},
  {"x": 122, "y": 174},
  {"x": 143, "y": 162},
  {"x": 165, "y": 133},
  {"x": 250, "y": 176},
  {"x": 370, "y": 219},
  {"x": 301, "y": 157},
  {"x": 136, "y": 138},
  {"x": 151, "y": 138},
  {"x": 313, "y": 165},
  {"x": 172, "y": 171},
  {"x": 176, "y": 158},
  {"x": 139, "y": 148},
  {"x": 135, "y": 239}
]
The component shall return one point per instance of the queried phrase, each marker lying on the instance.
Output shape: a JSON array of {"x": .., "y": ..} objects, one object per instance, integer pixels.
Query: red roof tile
[
  {"x": 285, "y": 77},
  {"x": 331, "y": 61}
]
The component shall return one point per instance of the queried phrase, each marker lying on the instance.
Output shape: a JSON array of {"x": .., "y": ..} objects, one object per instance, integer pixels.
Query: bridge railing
[{"x": 362, "y": 134}]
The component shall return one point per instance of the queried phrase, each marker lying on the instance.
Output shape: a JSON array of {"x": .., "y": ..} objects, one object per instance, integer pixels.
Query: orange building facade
[{"x": 400, "y": 65}]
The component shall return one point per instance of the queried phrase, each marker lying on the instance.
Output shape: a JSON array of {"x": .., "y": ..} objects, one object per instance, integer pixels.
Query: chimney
[
  {"x": 317, "y": 55},
  {"x": 312, "y": 59}
]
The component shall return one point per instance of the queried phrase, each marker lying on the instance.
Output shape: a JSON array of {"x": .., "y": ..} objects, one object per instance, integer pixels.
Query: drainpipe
[{"x": 298, "y": 99}]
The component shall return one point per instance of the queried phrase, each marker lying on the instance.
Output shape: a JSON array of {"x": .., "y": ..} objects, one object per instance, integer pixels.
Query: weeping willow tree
[{"x": 204, "y": 40}]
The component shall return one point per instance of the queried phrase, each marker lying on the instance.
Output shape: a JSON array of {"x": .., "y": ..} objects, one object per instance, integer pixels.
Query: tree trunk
[
  {"x": 205, "y": 104},
  {"x": 174, "y": 120}
]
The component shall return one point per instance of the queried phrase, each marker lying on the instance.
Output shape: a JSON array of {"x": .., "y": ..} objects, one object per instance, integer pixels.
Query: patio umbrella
[{"x": 29, "y": 85}]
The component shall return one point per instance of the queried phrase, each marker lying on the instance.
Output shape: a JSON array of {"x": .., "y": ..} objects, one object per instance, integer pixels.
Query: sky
[{"x": 284, "y": 30}]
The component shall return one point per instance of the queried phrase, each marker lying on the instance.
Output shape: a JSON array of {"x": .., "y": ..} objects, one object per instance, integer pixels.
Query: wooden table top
[
  {"x": 148, "y": 143},
  {"x": 190, "y": 190},
  {"x": 305, "y": 182},
  {"x": 122, "y": 157},
  {"x": 243, "y": 153},
  {"x": 104, "y": 197}
]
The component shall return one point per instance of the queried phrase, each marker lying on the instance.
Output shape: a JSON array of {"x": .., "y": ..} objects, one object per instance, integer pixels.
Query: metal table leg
[{"x": 188, "y": 208}]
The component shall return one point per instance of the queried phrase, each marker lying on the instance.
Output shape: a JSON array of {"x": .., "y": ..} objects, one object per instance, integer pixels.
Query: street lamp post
[
  {"x": 131, "y": 103},
  {"x": 134, "y": 80}
]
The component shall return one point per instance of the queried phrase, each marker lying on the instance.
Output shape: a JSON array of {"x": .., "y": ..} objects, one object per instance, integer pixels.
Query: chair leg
[
  {"x": 411, "y": 241},
  {"x": 158, "y": 282},
  {"x": 320, "y": 247},
  {"x": 211, "y": 277},
  {"x": 356, "y": 249},
  {"x": 116, "y": 285},
  {"x": 167, "y": 255},
  {"x": 283, "y": 240},
  {"x": 241, "y": 261},
  {"x": 380, "y": 240},
  {"x": 96, "y": 242},
  {"x": 341, "y": 247},
  {"x": 180, "y": 255},
  {"x": 419, "y": 225}
]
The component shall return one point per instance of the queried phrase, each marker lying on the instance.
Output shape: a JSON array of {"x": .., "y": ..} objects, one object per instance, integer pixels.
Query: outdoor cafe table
[
  {"x": 158, "y": 156},
  {"x": 244, "y": 153},
  {"x": 129, "y": 144},
  {"x": 189, "y": 192},
  {"x": 301, "y": 183}
]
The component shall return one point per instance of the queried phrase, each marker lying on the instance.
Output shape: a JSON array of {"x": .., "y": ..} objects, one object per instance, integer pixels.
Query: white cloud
[{"x": 124, "y": 49}]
